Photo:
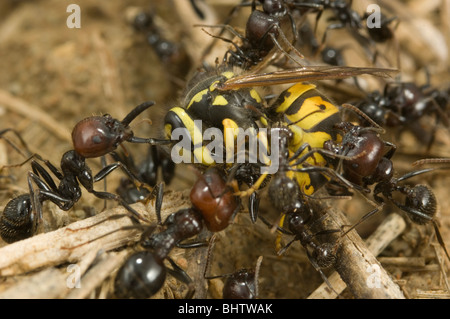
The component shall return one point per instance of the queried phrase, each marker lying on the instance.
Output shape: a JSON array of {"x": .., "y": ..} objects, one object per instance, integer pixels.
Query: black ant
[
  {"x": 263, "y": 32},
  {"x": 213, "y": 204},
  {"x": 144, "y": 273},
  {"x": 369, "y": 163},
  {"x": 241, "y": 284},
  {"x": 404, "y": 104},
  {"x": 92, "y": 137},
  {"x": 308, "y": 42},
  {"x": 169, "y": 52},
  {"x": 343, "y": 14},
  {"x": 345, "y": 17},
  {"x": 287, "y": 197}
]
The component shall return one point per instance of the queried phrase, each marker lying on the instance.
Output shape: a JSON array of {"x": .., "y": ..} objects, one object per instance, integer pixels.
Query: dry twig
[
  {"x": 78, "y": 243},
  {"x": 354, "y": 261},
  {"x": 34, "y": 113}
]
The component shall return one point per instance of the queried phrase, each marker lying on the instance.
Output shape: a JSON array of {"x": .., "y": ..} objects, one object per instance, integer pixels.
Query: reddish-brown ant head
[
  {"x": 96, "y": 136},
  {"x": 214, "y": 199}
]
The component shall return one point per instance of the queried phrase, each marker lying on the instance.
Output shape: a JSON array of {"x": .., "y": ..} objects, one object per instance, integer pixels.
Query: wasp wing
[{"x": 302, "y": 74}]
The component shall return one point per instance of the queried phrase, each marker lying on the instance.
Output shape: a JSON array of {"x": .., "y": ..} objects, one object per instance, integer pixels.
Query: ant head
[
  {"x": 96, "y": 136},
  {"x": 214, "y": 199},
  {"x": 403, "y": 94},
  {"x": 259, "y": 25},
  {"x": 143, "y": 21},
  {"x": 273, "y": 7},
  {"x": 365, "y": 150}
]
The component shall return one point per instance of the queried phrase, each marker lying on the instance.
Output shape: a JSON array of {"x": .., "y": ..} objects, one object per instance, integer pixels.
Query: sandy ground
[{"x": 52, "y": 76}]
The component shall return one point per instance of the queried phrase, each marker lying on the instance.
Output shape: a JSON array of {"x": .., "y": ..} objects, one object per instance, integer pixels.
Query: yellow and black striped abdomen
[
  {"x": 311, "y": 118},
  {"x": 309, "y": 115}
]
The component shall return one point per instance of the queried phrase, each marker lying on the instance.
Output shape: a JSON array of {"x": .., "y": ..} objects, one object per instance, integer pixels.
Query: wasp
[
  {"x": 220, "y": 98},
  {"x": 224, "y": 100}
]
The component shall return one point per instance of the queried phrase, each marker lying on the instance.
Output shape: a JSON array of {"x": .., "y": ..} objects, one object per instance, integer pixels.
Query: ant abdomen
[
  {"x": 140, "y": 277},
  {"x": 241, "y": 285},
  {"x": 16, "y": 222},
  {"x": 324, "y": 255},
  {"x": 422, "y": 200}
]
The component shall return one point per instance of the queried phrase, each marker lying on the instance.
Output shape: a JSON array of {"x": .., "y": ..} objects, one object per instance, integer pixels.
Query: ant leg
[
  {"x": 41, "y": 172},
  {"x": 439, "y": 238},
  {"x": 50, "y": 166},
  {"x": 182, "y": 276},
  {"x": 212, "y": 242},
  {"x": 194, "y": 244},
  {"x": 362, "y": 219},
  {"x": 418, "y": 172},
  {"x": 13, "y": 145},
  {"x": 254, "y": 187},
  {"x": 159, "y": 190},
  {"x": 105, "y": 195},
  {"x": 226, "y": 22},
  {"x": 253, "y": 204},
  {"x": 334, "y": 26},
  {"x": 45, "y": 192},
  {"x": 152, "y": 141},
  {"x": 105, "y": 185},
  {"x": 227, "y": 27},
  {"x": 285, "y": 39},
  {"x": 37, "y": 196},
  {"x": 105, "y": 171},
  {"x": 331, "y": 173},
  {"x": 144, "y": 228},
  {"x": 36, "y": 209},
  {"x": 311, "y": 151},
  {"x": 239, "y": 53}
]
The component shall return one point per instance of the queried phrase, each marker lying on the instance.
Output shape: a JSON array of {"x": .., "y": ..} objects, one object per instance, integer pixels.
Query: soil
[{"x": 52, "y": 76}]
